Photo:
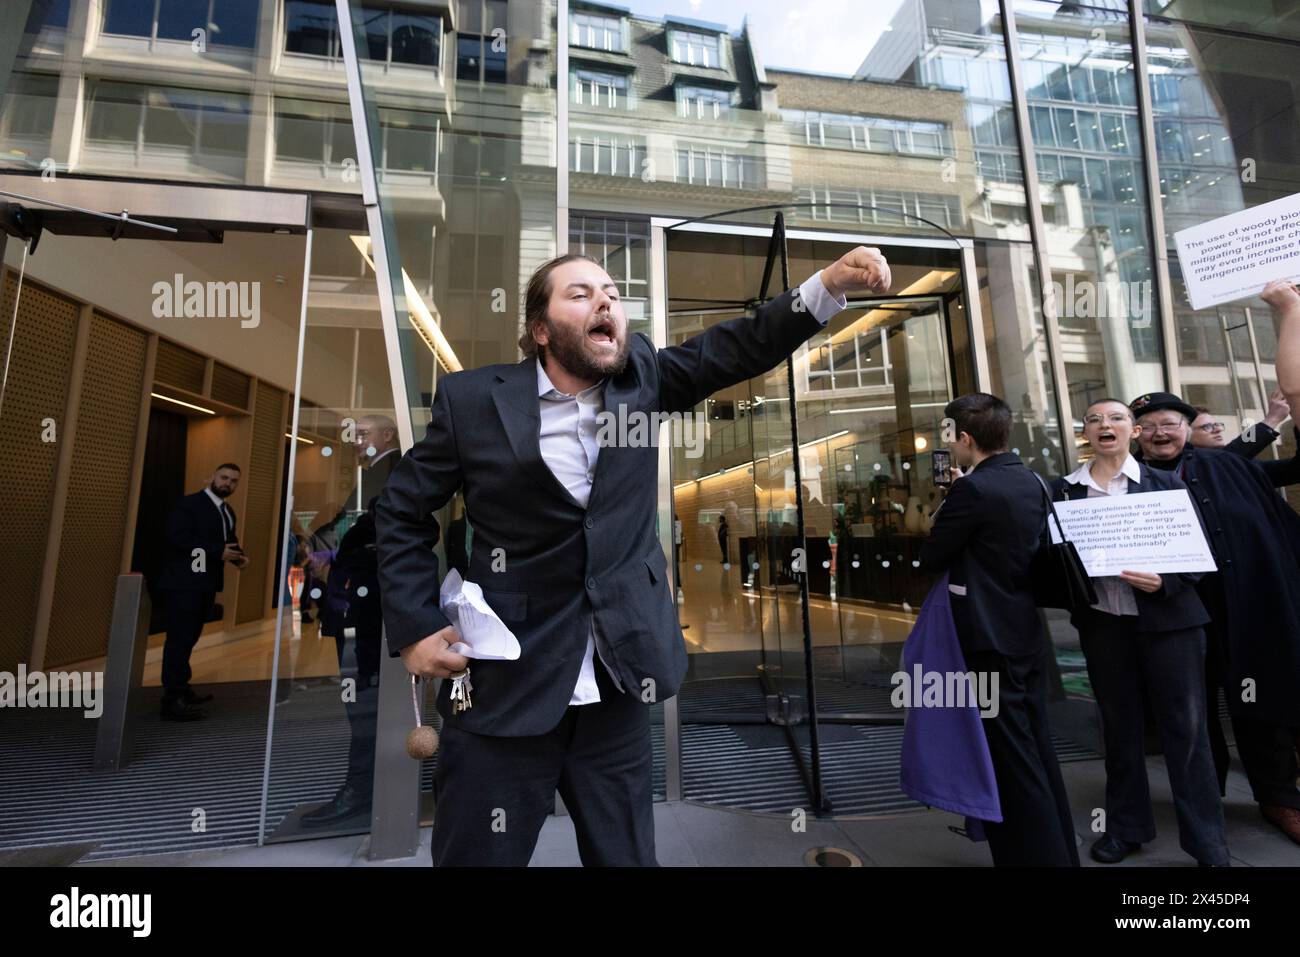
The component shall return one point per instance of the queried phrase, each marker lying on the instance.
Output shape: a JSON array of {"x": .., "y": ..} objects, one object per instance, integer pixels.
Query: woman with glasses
[{"x": 1145, "y": 637}]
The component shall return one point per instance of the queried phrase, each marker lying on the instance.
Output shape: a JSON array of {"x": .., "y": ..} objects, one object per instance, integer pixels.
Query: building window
[
  {"x": 597, "y": 31},
  {"x": 718, "y": 166},
  {"x": 313, "y": 132},
  {"x": 410, "y": 141},
  {"x": 55, "y": 16},
  {"x": 311, "y": 27},
  {"x": 480, "y": 156},
  {"x": 606, "y": 154},
  {"x": 702, "y": 102},
  {"x": 28, "y": 111},
  {"x": 882, "y": 206},
  {"x": 877, "y": 134},
  {"x": 697, "y": 49},
  {"x": 164, "y": 121},
  {"x": 623, "y": 249},
  {"x": 608, "y": 90},
  {"x": 228, "y": 23},
  {"x": 391, "y": 36},
  {"x": 480, "y": 59}
]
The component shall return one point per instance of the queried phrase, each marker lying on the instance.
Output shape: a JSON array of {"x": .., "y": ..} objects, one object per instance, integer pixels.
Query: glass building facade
[{"x": 268, "y": 228}]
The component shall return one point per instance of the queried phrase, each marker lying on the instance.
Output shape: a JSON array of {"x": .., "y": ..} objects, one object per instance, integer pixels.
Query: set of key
[{"x": 460, "y": 689}]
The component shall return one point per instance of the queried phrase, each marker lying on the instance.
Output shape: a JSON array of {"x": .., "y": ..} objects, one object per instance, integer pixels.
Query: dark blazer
[
  {"x": 1256, "y": 541},
  {"x": 1280, "y": 472},
  {"x": 1175, "y": 605},
  {"x": 1265, "y": 435},
  {"x": 547, "y": 565},
  {"x": 194, "y": 522},
  {"x": 984, "y": 536}
]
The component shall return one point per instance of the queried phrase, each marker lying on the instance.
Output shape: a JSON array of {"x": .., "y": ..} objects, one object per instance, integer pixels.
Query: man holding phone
[
  {"x": 200, "y": 539},
  {"x": 984, "y": 537}
]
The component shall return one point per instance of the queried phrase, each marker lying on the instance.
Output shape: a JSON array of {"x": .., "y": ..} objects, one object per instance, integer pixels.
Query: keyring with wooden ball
[{"x": 422, "y": 742}]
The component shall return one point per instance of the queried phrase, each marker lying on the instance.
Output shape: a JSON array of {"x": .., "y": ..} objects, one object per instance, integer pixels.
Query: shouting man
[{"x": 566, "y": 553}]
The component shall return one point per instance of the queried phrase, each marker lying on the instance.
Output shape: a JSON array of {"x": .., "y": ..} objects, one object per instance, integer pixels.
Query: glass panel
[
  {"x": 1247, "y": 16},
  {"x": 331, "y": 641},
  {"x": 310, "y": 27},
  {"x": 185, "y": 115},
  {"x": 1102, "y": 265},
  {"x": 869, "y": 394},
  {"x": 132, "y": 17},
  {"x": 467, "y": 210},
  {"x": 415, "y": 39},
  {"x": 178, "y": 19},
  {"x": 1225, "y": 119},
  {"x": 234, "y": 23},
  {"x": 188, "y": 352}
]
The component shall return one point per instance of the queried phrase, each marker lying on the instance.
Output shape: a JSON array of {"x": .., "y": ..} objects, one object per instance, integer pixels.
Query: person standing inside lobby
[
  {"x": 1145, "y": 638},
  {"x": 566, "y": 552},
  {"x": 199, "y": 541}
]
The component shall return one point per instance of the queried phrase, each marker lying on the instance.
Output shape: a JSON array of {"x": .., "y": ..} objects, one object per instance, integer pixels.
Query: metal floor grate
[
  {"x": 751, "y": 768},
  {"x": 54, "y": 800},
  {"x": 213, "y": 765}
]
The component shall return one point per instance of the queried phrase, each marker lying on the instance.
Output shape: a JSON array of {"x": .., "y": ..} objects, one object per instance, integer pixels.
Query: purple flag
[{"x": 945, "y": 757}]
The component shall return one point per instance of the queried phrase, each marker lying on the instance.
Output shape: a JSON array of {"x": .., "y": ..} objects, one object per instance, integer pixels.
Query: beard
[
  {"x": 569, "y": 348},
  {"x": 220, "y": 492}
]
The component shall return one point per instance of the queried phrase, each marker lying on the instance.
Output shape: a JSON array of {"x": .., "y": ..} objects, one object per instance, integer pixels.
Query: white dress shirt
[
  {"x": 226, "y": 518},
  {"x": 1114, "y": 595},
  {"x": 567, "y": 438}
]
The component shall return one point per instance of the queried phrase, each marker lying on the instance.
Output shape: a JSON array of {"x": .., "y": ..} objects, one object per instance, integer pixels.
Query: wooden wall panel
[
  {"x": 95, "y": 519},
  {"x": 230, "y": 386},
  {"x": 260, "y": 521},
  {"x": 39, "y": 369},
  {"x": 180, "y": 367}
]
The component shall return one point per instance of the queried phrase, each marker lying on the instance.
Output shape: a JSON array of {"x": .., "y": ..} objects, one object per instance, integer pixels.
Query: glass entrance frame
[{"x": 778, "y": 648}]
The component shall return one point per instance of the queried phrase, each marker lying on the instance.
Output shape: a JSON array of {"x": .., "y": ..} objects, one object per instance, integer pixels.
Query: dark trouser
[
  {"x": 493, "y": 794},
  {"x": 1170, "y": 666},
  {"x": 187, "y": 612},
  {"x": 1267, "y": 751},
  {"x": 1036, "y": 829},
  {"x": 363, "y": 713}
]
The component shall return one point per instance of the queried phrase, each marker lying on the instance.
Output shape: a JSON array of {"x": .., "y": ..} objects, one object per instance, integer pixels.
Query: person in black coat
[
  {"x": 1145, "y": 634},
  {"x": 352, "y": 614},
  {"x": 1253, "y": 647},
  {"x": 1207, "y": 433},
  {"x": 199, "y": 540},
  {"x": 985, "y": 535}
]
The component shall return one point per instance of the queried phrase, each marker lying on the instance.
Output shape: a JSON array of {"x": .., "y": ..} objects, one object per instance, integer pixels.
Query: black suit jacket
[
  {"x": 1279, "y": 471},
  {"x": 547, "y": 565},
  {"x": 984, "y": 536},
  {"x": 194, "y": 522},
  {"x": 1176, "y": 605}
]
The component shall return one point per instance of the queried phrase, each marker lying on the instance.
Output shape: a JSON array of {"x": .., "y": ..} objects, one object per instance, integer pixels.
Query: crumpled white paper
[{"x": 485, "y": 634}]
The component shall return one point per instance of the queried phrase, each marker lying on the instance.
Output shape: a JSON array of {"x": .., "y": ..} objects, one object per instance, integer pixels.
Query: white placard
[
  {"x": 1143, "y": 532},
  {"x": 1236, "y": 256}
]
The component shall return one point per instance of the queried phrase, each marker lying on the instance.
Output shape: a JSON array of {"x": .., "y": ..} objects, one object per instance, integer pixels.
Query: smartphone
[{"x": 942, "y": 464}]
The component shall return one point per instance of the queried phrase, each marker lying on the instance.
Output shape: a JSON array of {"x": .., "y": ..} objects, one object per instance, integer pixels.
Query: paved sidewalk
[{"x": 693, "y": 835}]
